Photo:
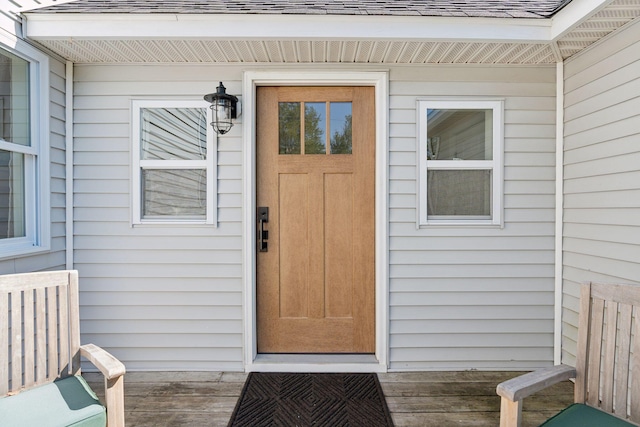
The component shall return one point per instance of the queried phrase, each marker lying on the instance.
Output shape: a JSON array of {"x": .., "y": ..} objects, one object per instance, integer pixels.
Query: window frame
[
  {"x": 495, "y": 165},
  {"x": 37, "y": 199},
  {"x": 209, "y": 164}
]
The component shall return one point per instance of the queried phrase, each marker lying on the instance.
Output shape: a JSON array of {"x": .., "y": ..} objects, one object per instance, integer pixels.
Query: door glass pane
[
  {"x": 14, "y": 99},
  {"x": 174, "y": 193},
  {"x": 459, "y": 193},
  {"x": 315, "y": 125},
  {"x": 173, "y": 134},
  {"x": 340, "y": 127},
  {"x": 12, "y": 197},
  {"x": 289, "y": 127},
  {"x": 459, "y": 134}
]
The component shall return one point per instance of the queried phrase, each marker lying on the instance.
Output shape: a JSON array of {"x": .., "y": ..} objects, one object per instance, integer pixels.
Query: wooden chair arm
[
  {"x": 113, "y": 371},
  {"x": 525, "y": 385},
  {"x": 514, "y": 390},
  {"x": 106, "y": 363}
]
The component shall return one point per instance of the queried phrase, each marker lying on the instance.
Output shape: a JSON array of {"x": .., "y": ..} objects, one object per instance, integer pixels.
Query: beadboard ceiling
[{"x": 217, "y": 50}]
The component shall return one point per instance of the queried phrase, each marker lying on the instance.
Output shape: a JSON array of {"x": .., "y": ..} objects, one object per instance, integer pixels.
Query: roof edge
[{"x": 283, "y": 27}]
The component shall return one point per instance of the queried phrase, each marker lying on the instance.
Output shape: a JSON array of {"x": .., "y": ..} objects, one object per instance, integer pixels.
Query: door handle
[{"x": 263, "y": 235}]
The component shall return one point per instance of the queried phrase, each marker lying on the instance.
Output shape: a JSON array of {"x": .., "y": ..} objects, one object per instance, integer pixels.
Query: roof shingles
[{"x": 463, "y": 8}]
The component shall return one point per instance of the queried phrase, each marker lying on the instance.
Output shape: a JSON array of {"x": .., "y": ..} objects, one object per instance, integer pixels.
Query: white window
[
  {"x": 460, "y": 162},
  {"x": 24, "y": 132},
  {"x": 174, "y": 160}
]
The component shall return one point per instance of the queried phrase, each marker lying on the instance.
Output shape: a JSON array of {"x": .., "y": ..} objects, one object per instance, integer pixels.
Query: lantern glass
[
  {"x": 223, "y": 107},
  {"x": 221, "y": 117}
]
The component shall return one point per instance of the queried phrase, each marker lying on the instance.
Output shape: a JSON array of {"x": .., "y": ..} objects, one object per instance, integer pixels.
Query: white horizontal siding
[
  {"x": 159, "y": 297},
  {"x": 602, "y": 171},
  {"x": 467, "y": 297},
  {"x": 492, "y": 287}
]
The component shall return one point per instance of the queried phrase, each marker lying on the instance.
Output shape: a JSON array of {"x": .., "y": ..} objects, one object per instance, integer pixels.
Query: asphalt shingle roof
[{"x": 458, "y": 8}]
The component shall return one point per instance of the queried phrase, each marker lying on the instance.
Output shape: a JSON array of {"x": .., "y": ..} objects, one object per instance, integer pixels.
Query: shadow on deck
[{"x": 162, "y": 399}]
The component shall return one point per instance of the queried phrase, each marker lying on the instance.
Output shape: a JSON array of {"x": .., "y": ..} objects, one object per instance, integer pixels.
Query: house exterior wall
[
  {"x": 475, "y": 297},
  {"x": 54, "y": 258},
  {"x": 601, "y": 171},
  {"x": 157, "y": 296},
  {"x": 170, "y": 297}
]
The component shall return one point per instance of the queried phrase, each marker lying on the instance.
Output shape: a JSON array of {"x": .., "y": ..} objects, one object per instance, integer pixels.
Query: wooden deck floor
[{"x": 415, "y": 399}]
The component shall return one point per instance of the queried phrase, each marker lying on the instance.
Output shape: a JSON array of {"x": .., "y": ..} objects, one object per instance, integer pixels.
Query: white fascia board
[
  {"x": 574, "y": 14},
  {"x": 284, "y": 27}
]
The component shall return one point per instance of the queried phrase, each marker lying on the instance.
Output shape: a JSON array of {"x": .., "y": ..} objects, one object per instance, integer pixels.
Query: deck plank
[{"x": 425, "y": 399}]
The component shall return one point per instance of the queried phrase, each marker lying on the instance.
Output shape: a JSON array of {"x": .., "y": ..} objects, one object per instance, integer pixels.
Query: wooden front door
[{"x": 316, "y": 174}]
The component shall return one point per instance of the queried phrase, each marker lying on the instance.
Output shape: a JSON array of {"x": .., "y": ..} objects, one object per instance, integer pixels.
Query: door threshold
[{"x": 316, "y": 363}]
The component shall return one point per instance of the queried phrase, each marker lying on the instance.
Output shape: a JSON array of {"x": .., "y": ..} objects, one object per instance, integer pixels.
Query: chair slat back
[
  {"x": 39, "y": 329},
  {"x": 608, "y": 359}
]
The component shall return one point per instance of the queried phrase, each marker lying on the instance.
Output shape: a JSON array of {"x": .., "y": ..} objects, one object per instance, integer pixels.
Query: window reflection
[
  {"x": 14, "y": 99},
  {"x": 315, "y": 124},
  {"x": 341, "y": 128},
  {"x": 289, "y": 127},
  {"x": 180, "y": 193},
  {"x": 316, "y": 135},
  {"x": 173, "y": 133},
  {"x": 459, "y": 134},
  {"x": 12, "y": 195}
]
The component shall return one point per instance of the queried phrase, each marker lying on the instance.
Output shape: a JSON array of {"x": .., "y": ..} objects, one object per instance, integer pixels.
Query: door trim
[{"x": 379, "y": 80}]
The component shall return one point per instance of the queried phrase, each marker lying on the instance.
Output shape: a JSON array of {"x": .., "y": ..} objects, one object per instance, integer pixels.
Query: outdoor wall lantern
[{"x": 224, "y": 109}]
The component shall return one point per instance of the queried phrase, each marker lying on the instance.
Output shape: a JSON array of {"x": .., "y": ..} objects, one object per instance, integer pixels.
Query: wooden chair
[
  {"x": 607, "y": 372},
  {"x": 40, "y": 356}
]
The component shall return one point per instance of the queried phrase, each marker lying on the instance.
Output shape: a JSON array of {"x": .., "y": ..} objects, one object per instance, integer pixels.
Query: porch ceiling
[{"x": 264, "y": 39}]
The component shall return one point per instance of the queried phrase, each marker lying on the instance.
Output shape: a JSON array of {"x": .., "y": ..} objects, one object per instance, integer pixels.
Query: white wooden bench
[
  {"x": 40, "y": 382},
  {"x": 607, "y": 372}
]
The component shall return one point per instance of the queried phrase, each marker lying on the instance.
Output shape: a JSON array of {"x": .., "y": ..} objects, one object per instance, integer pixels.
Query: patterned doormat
[{"x": 319, "y": 400}]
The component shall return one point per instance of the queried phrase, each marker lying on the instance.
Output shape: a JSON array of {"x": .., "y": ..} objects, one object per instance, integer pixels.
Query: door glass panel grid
[{"x": 303, "y": 128}]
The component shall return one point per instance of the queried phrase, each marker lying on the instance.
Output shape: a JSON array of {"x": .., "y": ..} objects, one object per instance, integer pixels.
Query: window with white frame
[
  {"x": 174, "y": 162},
  {"x": 460, "y": 161},
  {"x": 24, "y": 188}
]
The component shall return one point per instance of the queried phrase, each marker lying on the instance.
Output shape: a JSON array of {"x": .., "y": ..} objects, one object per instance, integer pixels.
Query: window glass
[
  {"x": 460, "y": 161},
  {"x": 314, "y": 139},
  {"x": 12, "y": 195},
  {"x": 24, "y": 135},
  {"x": 315, "y": 125},
  {"x": 459, "y": 134},
  {"x": 289, "y": 127},
  {"x": 459, "y": 193},
  {"x": 174, "y": 193},
  {"x": 174, "y": 162},
  {"x": 14, "y": 99},
  {"x": 341, "y": 142},
  {"x": 173, "y": 133}
]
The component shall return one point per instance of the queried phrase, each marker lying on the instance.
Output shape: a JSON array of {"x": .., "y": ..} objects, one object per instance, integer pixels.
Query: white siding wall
[
  {"x": 158, "y": 297},
  {"x": 473, "y": 297},
  {"x": 170, "y": 297},
  {"x": 602, "y": 171}
]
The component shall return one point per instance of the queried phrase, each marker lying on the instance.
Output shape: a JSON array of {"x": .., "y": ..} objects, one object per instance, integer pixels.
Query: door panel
[{"x": 315, "y": 172}]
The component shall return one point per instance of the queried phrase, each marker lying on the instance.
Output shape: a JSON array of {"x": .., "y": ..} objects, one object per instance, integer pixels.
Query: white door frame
[{"x": 379, "y": 80}]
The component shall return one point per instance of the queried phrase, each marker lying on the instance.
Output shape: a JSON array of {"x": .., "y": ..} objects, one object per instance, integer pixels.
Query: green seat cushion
[
  {"x": 66, "y": 402},
  {"x": 579, "y": 415}
]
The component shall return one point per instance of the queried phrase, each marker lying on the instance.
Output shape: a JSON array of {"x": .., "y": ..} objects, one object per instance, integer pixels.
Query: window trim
[
  {"x": 209, "y": 164},
  {"x": 37, "y": 169},
  {"x": 495, "y": 165}
]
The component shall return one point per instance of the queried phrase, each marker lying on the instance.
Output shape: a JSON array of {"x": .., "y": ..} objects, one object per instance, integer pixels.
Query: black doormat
[{"x": 319, "y": 400}]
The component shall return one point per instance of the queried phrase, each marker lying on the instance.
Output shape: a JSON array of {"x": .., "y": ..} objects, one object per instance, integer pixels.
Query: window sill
[
  {"x": 464, "y": 224},
  {"x": 21, "y": 250},
  {"x": 173, "y": 224}
]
